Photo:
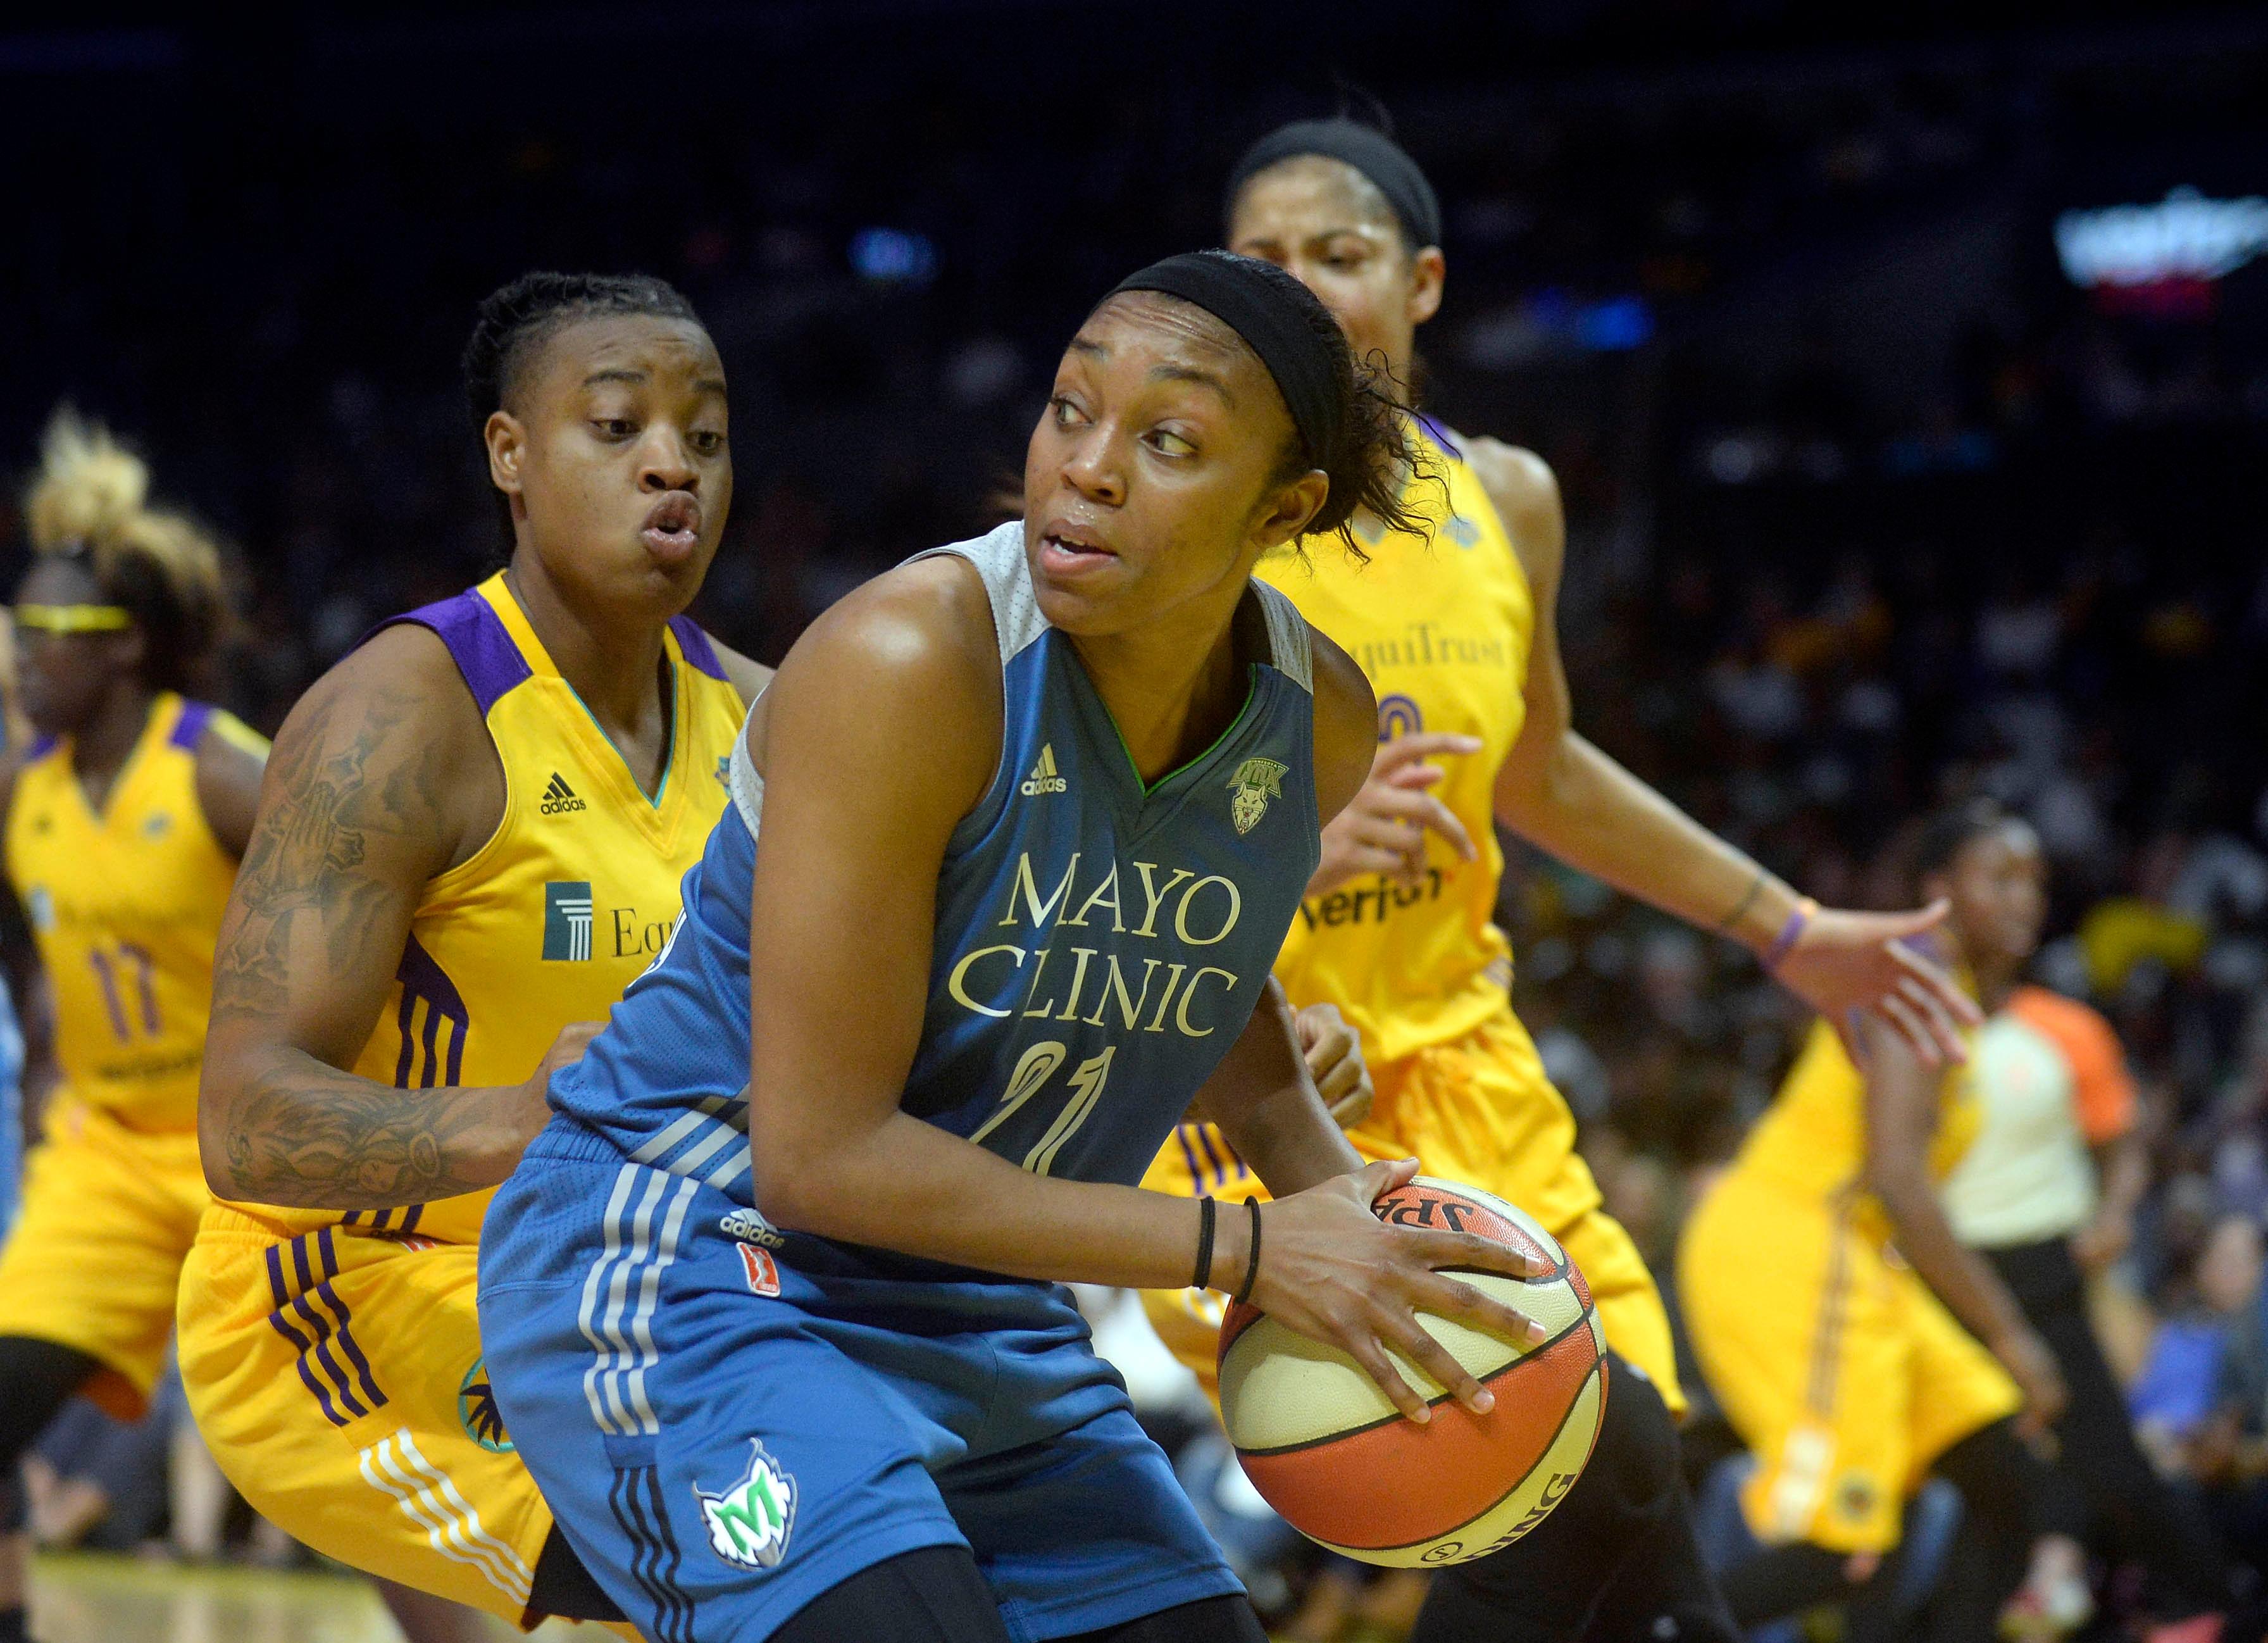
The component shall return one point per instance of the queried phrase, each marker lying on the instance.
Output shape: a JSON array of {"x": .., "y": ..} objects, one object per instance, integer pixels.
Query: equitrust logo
[{"x": 567, "y": 921}]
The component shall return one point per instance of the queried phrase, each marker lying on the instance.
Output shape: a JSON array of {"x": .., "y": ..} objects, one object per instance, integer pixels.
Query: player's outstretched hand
[
  {"x": 1847, "y": 961},
  {"x": 1331, "y": 1270},
  {"x": 1383, "y": 828},
  {"x": 2032, "y": 1366},
  {"x": 1334, "y": 1055}
]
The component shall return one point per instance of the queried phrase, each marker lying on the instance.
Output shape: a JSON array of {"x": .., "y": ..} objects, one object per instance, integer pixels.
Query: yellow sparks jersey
[
  {"x": 125, "y": 904},
  {"x": 1812, "y": 1137},
  {"x": 1443, "y": 629},
  {"x": 567, "y": 902}
]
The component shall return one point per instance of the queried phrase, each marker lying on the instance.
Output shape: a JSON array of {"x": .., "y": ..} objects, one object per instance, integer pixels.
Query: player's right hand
[
  {"x": 2032, "y": 1365},
  {"x": 1383, "y": 828},
  {"x": 534, "y": 1109},
  {"x": 1331, "y": 1270},
  {"x": 1333, "y": 1056}
]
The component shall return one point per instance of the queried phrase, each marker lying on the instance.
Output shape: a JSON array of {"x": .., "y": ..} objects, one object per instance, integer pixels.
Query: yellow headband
[{"x": 73, "y": 618}]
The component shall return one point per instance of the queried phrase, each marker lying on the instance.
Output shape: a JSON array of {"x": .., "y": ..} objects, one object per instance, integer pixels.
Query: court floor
[{"x": 90, "y": 1598}]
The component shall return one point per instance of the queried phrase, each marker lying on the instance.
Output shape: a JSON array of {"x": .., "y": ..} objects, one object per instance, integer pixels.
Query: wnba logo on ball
[{"x": 1311, "y": 1428}]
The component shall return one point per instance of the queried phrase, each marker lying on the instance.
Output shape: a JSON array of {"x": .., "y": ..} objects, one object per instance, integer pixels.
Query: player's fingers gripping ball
[{"x": 1326, "y": 1448}]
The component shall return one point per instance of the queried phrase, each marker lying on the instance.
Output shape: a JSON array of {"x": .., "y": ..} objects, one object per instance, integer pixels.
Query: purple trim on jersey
[
  {"x": 1440, "y": 436},
  {"x": 424, "y": 981},
  {"x": 696, "y": 647},
  {"x": 41, "y": 747},
  {"x": 191, "y": 724},
  {"x": 478, "y": 640}
]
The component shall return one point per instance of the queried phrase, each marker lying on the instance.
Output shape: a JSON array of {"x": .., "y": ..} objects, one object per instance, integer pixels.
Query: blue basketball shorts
[{"x": 726, "y": 1429}]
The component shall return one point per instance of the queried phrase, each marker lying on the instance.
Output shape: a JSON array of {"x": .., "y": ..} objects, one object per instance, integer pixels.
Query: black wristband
[
  {"x": 1208, "y": 1213},
  {"x": 1252, "y": 1261},
  {"x": 1756, "y": 888}
]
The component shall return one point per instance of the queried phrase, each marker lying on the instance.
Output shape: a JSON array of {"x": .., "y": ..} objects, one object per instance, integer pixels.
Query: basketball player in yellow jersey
[
  {"x": 470, "y": 841},
  {"x": 1839, "y": 1359},
  {"x": 1456, "y": 634},
  {"x": 123, "y": 825}
]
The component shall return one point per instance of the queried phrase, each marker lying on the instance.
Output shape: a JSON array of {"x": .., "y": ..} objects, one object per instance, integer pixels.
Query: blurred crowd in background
[{"x": 1872, "y": 501}]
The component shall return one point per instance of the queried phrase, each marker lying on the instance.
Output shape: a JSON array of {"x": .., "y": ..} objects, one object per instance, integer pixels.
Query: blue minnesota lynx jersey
[{"x": 1100, "y": 944}]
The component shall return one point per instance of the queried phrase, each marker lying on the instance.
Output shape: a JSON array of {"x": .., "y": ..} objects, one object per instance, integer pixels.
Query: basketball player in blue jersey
[{"x": 775, "y": 1330}]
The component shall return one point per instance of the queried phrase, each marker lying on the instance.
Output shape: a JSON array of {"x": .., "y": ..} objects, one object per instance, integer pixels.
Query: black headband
[
  {"x": 1261, "y": 303},
  {"x": 1370, "y": 151}
]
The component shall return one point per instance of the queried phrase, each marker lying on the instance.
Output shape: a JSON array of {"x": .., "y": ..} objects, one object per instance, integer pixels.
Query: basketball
[{"x": 1327, "y": 1448}]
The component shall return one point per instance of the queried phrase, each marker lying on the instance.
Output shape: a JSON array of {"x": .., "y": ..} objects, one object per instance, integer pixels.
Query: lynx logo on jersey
[
  {"x": 1043, "y": 779},
  {"x": 567, "y": 920},
  {"x": 1257, "y": 781},
  {"x": 749, "y": 1523}
]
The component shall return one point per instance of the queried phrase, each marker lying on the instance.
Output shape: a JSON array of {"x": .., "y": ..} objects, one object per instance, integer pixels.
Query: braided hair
[
  {"x": 515, "y": 320},
  {"x": 89, "y": 507}
]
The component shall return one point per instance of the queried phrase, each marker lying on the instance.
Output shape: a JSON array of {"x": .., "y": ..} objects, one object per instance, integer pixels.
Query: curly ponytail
[{"x": 89, "y": 505}]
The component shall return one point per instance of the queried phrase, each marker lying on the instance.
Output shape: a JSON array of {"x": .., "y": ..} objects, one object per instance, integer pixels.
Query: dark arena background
[{"x": 1904, "y": 371}]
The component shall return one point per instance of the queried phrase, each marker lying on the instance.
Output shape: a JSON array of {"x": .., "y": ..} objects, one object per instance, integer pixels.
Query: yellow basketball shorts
[
  {"x": 338, "y": 1379},
  {"x": 1843, "y": 1374},
  {"x": 1477, "y": 1109},
  {"x": 95, "y": 1257}
]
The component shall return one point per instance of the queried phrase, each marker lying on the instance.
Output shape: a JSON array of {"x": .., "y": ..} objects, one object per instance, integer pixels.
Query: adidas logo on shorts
[
  {"x": 1043, "y": 779},
  {"x": 559, "y": 799}
]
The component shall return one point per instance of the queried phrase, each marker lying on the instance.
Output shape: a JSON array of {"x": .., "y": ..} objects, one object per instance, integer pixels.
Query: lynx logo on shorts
[
  {"x": 749, "y": 1523},
  {"x": 477, "y": 1412},
  {"x": 1257, "y": 781},
  {"x": 567, "y": 921}
]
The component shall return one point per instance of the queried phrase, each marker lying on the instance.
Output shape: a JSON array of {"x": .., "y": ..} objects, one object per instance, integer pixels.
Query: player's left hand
[
  {"x": 2102, "y": 1239},
  {"x": 1333, "y": 1054},
  {"x": 1845, "y": 961}
]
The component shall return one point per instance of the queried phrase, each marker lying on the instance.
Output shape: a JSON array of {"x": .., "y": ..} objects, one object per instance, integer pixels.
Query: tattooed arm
[{"x": 382, "y": 778}]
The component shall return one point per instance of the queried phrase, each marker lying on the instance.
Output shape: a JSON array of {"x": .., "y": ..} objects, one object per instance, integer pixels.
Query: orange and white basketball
[{"x": 1327, "y": 1450}]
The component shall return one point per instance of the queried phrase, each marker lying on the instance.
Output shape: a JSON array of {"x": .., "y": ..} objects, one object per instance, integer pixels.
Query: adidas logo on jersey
[
  {"x": 559, "y": 799},
  {"x": 1043, "y": 779}
]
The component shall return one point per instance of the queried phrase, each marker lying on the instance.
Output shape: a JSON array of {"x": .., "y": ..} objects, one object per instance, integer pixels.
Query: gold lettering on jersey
[
  {"x": 1181, "y": 914},
  {"x": 1156, "y": 895},
  {"x": 1181, "y": 1015},
  {"x": 957, "y": 982},
  {"x": 1107, "y": 888},
  {"x": 1114, "y": 985},
  {"x": 1042, "y": 911},
  {"x": 1092, "y": 984}
]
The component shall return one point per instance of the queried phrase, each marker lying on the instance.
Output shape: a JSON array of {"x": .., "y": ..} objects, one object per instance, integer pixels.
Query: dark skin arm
[
  {"x": 1902, "y": 1113},
  {"x": 1563, "y": 793},
  {"x": 877, "y": 736},
  {"x": 228, "y": 790},
  {"x": 381, "y": 778}
]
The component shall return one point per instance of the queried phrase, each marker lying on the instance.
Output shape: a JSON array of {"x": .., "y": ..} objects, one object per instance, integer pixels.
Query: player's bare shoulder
[
  {"x": 1527, "y": 496},
  {"x": 1346, "y": 724},
  {"x": 394, "y": 719},
  {"x": 910, "y": 663}
]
